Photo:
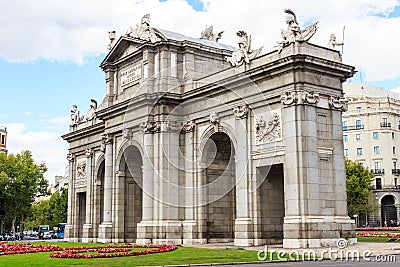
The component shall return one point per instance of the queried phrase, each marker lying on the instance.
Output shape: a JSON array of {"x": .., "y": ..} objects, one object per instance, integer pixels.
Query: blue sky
[{"x": 50, "y": 56}]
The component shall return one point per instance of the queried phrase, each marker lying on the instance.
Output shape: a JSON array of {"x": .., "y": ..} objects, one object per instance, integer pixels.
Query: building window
[
  {"x": 378, "y": 183},
  {"x": 344, "y": 125},
  {"x": 346, "y": 152},
  {"x": 362, "y": 164},
  {"x": 375, "y": 135},
  {"x": 385, "y": 123},
  {"x": 359, "y": 151},
  {"x": 358, "y": 124},
  {"x": 3, "y": 139},
  {"x": 359, "y": 109},
  {"x": 395, "y": 182},
  {"x": 394, "y": 150},
  {"x": 358, "y": 137},
  {"x": 393, "y": 135},
  {"x": 376, "y": 149},
  {"x": 394, "y": 165},
  {"x": 345, "y": 138},
  {"x": 377, "y": 167}
]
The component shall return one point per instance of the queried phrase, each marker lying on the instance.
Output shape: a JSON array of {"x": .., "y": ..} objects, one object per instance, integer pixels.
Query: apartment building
[
  {"x": 371, "y": 136},
  {"x": 3, "y": 139}
]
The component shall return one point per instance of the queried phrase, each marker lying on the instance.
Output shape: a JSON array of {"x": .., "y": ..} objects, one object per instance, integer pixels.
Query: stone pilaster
[
  {"x": 69, "y": 234},
  {"x": 87, "y": 235},
  {"x": 243, "y": 222},
  {"x": 119, "y": 220},
  {"x": 145, "y": 227},
  {"x": 105, "y": 229}
]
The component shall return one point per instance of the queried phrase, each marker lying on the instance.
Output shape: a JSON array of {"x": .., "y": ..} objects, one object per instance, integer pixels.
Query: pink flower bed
[
  {"x": 379, "y": 234},
  {"x": 378, "y": 229},
  {"x": 77, "y": 253},
  {"x": 110, "y": 251}
]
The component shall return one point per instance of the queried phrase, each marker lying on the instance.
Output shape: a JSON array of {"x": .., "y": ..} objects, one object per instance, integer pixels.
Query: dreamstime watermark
[{"x": 334, "y": 254}]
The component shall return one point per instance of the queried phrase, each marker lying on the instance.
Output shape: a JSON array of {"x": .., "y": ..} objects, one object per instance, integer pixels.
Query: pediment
[{"x": 122, "y": 48}]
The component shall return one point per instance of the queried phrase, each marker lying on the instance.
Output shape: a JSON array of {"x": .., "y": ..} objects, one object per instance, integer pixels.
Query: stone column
[
  {"x": 243, "y": 223},
  {"x": 88, "y": 227},
  {"x": 69, "y": 234},
  {"x": 191, "y": 190},
  {"x": 145, "y": 227},
  {"x": 105, "y": 229},
  {"x": 170, "y": 229},
  {"x": 119, "y": 220}
]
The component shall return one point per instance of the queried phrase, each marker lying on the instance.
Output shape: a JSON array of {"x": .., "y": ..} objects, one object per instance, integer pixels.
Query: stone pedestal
[
  {"x": 190, "y": 233},
  {"x": 317, "y": 231},
  {"x": 69, "y": 233},
  {"x": 244, "y": 232},
  {"x": 87, "y": 235},
  {"x": 159, "y": 232},
  {"x": 105, "y": 233}
]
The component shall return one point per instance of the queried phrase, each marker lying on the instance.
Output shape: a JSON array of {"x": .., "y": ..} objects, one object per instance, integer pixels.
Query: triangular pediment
[{"x": 122, "y": 48}]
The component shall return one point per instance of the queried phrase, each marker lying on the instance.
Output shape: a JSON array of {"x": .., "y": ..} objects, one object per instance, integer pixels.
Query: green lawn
[{"x": 183, "y": 255}]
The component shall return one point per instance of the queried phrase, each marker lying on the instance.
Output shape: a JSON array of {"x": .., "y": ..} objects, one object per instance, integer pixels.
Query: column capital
[
  {"x": 70, "y": 157},
  {"x": 338, "y": 102},
  {"x": 89, "y": 152},
  {"x": 241, "y": 112},
  {"x": 188, "y": 126}
]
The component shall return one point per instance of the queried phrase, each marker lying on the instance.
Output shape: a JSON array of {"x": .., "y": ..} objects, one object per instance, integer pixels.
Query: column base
[
  {"x": 87, "y": 235},
  {"x": 105, "y": 233},
  {"x": 244, "y": 236},
  {"x": 69, "y": 233},
  {"x": 317, "y": 231},
  {"x": 159, "y": 232}
]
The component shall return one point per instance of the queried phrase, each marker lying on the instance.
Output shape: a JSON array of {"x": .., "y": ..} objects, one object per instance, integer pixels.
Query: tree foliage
[
  {"x": 21, "y": 180},
  {"x": 359, "y": 187},
  {"x": 49, "y": 212}
]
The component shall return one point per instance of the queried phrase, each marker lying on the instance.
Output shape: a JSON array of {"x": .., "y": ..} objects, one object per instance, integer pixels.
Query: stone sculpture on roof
[
  {"x": 144, "y": 31},
  {"x": 208, "y": 34},
  {"x": 293, "y": 32},
  {"x": 111, "y": 36},
  {"x": 333, "y": 43},
  {"x": 244, "y": 53},
  {"x": 75, "y": 118}
]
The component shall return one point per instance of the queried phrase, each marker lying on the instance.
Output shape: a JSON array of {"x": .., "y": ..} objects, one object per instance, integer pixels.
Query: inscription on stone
[{"x": 131, "y": 75}]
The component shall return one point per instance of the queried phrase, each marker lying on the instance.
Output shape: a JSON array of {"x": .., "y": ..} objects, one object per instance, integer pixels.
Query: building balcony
[
  {"x": 353, "y": 127},
  {"x": 378, "y": 171},
  {"x": 386, "y": 125},
  {"x": 396, "y": 171}
]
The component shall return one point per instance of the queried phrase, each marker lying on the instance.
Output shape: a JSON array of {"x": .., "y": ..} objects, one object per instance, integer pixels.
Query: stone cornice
[{"x": 84, "y": 132}]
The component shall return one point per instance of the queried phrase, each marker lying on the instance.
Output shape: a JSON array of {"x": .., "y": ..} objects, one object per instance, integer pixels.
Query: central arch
[
  {"x": 131, "y": 194},
  {"x": 218, "y": 161}
]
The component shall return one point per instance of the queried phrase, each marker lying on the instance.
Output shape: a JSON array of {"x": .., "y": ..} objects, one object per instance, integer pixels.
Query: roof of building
[
  {"x": 180, "y": 38},
  {"x": 357, "y": 89}
]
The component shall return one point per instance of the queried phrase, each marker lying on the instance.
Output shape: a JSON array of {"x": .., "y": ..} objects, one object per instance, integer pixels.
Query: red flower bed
[
  {"x": 110, "y": 251},
  {"x": 77, "y": 253},
  {"x": 22, "y": 248}
]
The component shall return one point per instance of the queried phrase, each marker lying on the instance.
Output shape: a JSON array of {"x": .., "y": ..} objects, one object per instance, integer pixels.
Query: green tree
[
  {"x": 21, "y": 180},
  {"x": 360, "y": 197},
  {"x": 49, "y": 212}
]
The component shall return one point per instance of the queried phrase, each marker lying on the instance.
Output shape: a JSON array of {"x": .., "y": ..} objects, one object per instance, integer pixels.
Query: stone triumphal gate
[{"x": 197, "y": 142}]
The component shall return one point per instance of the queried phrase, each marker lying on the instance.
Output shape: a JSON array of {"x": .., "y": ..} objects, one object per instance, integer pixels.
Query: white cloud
[
  {"x": 46, "y": 146},
  {"x": 70, "y": 30}
]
